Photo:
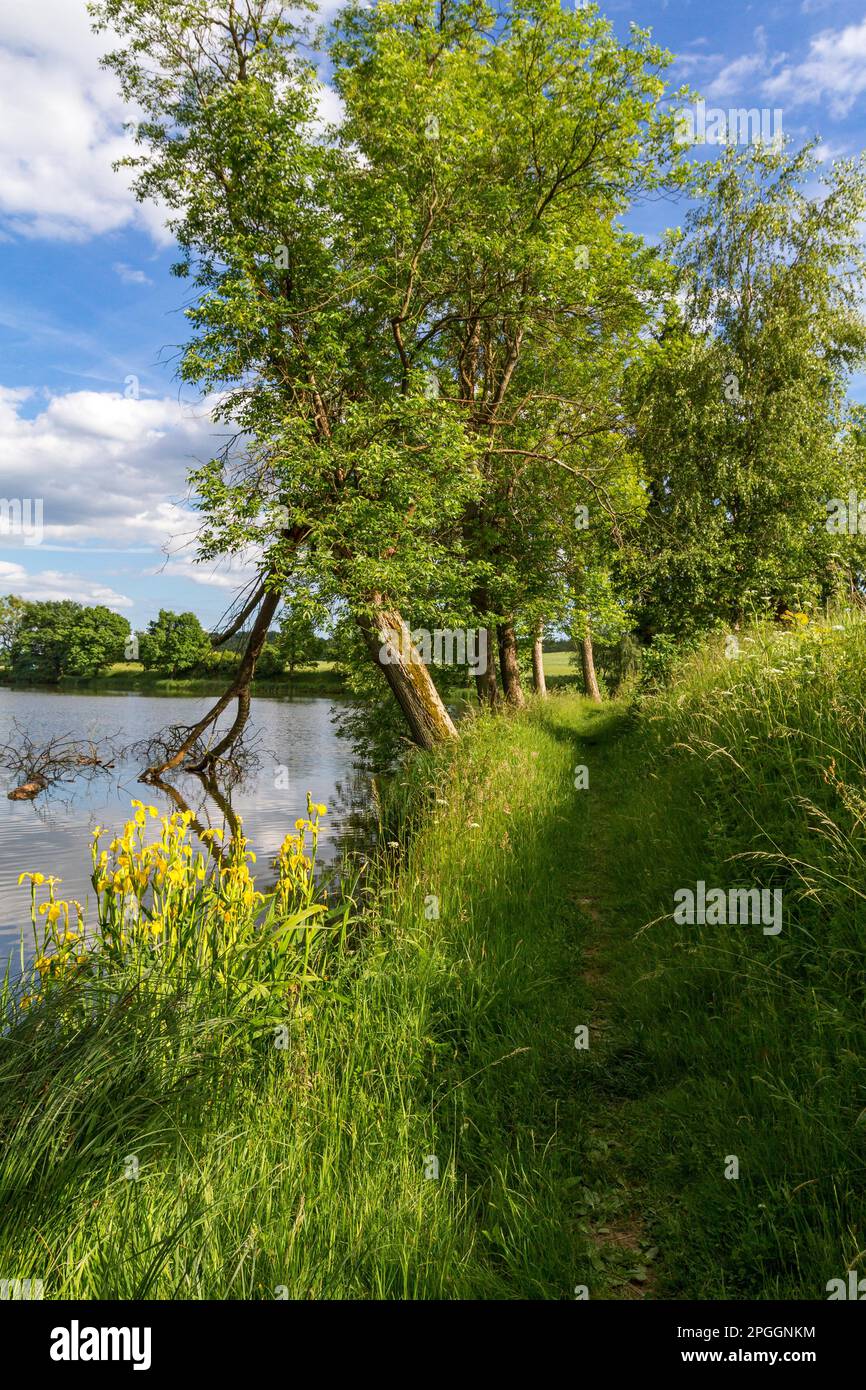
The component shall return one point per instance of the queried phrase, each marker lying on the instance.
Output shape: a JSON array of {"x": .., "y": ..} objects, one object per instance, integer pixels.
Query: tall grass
[
  {"x": 383, "y": 1099},
  {"x": 435, "y": 1035},
  {"x": 743, "y": 772}
]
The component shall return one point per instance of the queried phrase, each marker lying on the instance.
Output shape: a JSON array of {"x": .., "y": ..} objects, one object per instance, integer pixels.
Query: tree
[
  {"x": 374, "y": 307},
  {"x": 57, "y": 639},
  {"x": 174, "y": 642},
  {"x": 739, "y": 407},
  {"x": 299, "y": 643},
  {"x": 12, "y": 614}
]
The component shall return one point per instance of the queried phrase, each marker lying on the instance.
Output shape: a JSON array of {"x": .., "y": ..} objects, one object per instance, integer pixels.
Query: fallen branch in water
[{"x": 61, "y": 759}]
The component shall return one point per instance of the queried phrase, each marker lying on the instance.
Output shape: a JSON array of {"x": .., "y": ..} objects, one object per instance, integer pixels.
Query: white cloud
[
  {"x": 61, "y": 127},
  {"x": 331, "y": 109},
  {"x": 106, "y": 467},
  {"x": 129, "y": 275},
  {"x": 730, "y": 80},
  {"x": 52, "y": 584},
  {"x": 231, "y": 574},
  {"x": 835, "y": 68}
]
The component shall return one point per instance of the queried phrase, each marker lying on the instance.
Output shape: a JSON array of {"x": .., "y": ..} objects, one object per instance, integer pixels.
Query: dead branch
[{"x": 37, "y": 766}]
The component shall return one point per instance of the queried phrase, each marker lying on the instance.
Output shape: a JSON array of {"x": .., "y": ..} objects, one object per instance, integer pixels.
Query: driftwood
[
  {"x": 28, "y": 790},
  {"x": 39, "y": 766}
]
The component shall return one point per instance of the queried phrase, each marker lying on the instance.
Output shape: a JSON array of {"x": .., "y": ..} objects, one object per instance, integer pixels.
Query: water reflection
[{"x": 296, "y": 751}]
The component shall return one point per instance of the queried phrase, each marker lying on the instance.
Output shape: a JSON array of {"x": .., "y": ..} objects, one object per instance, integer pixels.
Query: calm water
[{"x": 297, "y": 750}]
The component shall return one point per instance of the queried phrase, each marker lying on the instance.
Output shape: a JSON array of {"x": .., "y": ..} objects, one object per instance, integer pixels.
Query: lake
[{"x": 297, "y": 750}]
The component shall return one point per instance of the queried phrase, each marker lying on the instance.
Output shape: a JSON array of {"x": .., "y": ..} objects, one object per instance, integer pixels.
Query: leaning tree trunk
[
  {"x": 508, "y": 667},
  {"x": 539, "y": 684},
  {"x": 587, "y": 661},
  {"x": 239, "y": 690},
  {"x": 388, "y": 641}
]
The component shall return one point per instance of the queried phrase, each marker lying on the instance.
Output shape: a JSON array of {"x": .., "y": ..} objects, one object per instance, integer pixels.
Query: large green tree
[
  {"x": 740, "y": 406},
  {"x": 173, "y": 642},
  {"x": 408, "y": 315},
  {"x": 63, "y": 638}
]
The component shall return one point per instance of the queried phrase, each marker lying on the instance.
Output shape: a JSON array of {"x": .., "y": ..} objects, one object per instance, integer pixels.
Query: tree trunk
[
  {"x": 388, "y": 641},
  {"x": 587, "y": 661},
  {"x": 539, "y": 684},
  {"x": 508, "y": 664},
  {"x": 485, "y": 681},
  {"x": 239, "y": 689}
]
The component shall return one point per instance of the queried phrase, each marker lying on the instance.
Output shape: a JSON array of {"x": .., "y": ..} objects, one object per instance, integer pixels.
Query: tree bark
[
  {"x": 587, "y": 661},
  {"x": 508, "y": 667},
  {"x": 388, "y": 641},
  {"x": 538, "y": 681},
  {"x": 485, "y": 681}
]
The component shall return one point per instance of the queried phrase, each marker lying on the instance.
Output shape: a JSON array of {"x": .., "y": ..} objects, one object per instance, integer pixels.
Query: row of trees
[
  {"x": 45, "y": 641},
  {"x": 461, "y": 394}
]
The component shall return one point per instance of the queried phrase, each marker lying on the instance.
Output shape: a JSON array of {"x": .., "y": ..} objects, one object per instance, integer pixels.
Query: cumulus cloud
[
  {"x": 111, "y": 471},
  {"x": 53, "y": 584},
  {"x": 730, "y": 80},
  {"x": 231, "y": 573},
  {"x": 61, "y": 127},
  {"x": 835, "y": 69}
]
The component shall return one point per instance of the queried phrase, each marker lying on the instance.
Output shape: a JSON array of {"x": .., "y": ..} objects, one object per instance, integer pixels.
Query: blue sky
[{"x": 91, "y": 417}]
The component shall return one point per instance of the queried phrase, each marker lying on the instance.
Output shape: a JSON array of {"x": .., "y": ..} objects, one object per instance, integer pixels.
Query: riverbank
[
  {"x": 437, "y": 1124},
  {"x": 131, "y": 678},
  {"x": 324, "y": 679}
]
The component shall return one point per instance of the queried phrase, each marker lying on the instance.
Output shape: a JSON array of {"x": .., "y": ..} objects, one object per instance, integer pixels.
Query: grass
[
  {"x": 320, "y": 679},
  {"x": 128, "y": 677},
  {"x": 303, "y": 1169},
  {"x": 722, "y": 1041},
  {"x": 560, "y": 664},
  {"x": 507, "y": 909}
]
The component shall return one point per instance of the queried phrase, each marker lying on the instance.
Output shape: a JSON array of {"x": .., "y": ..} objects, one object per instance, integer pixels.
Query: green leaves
[{"x": 53, "y": 639}]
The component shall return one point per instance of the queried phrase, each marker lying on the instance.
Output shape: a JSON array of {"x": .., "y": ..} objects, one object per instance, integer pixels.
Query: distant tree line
[{"x": 45, "y": 641}]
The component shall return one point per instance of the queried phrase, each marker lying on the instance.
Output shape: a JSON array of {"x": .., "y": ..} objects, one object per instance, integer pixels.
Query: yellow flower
[{"x": 34, "y": 878}]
